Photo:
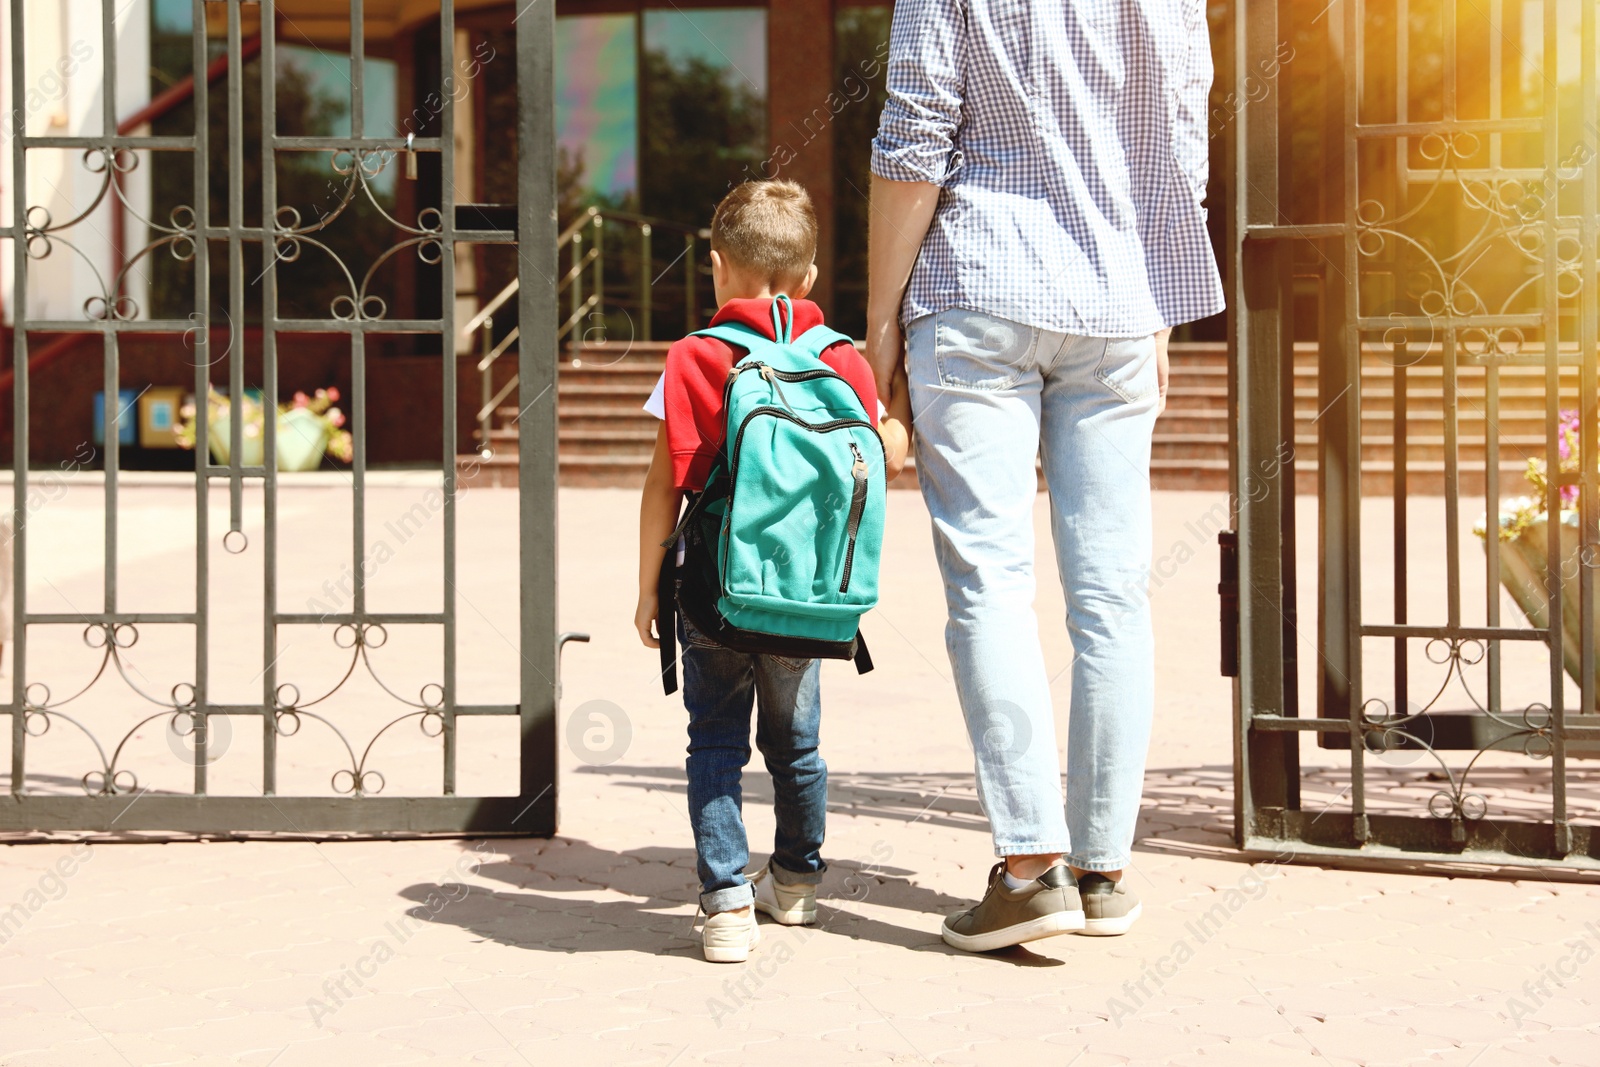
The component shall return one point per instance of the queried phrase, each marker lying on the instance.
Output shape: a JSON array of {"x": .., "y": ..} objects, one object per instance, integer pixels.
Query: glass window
[
  {"x": 597, "y": 110},
  {"x": 326, "y": 74},
  {"x": 704, "y": 102},
  {"x": 861, "y": 50}
]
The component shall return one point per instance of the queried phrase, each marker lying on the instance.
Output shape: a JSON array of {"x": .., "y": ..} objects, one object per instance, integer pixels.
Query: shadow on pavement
[{"x": 536, "y": 910}]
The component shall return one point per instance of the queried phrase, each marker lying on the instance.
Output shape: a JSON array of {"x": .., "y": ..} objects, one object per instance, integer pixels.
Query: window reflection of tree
[
  {"x": 306, "y": 181},
  {"x": 861, "y": 38},
  {"x": 701, "y": 133}
]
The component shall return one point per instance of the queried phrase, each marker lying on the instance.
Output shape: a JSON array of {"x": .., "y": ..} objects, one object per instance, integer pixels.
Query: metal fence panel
[
  {"x": 1450, "y": 229},
  {"x": 113, "y": 800}
]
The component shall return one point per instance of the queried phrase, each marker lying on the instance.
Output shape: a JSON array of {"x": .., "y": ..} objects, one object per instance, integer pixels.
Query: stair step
[
  {"x": 644, "y": 434},
  {"x": 606, "y": 438},
  {"x": 639, "y": 463},
  {"x": 1177, "y": 422},
  {"x": 584, "y": 421},
  {"x": 624, "y": 442},
  {"x": 605, "y": 390},
  {"x": 566, "y": 410},
  {"x": 642, "y": 380}
]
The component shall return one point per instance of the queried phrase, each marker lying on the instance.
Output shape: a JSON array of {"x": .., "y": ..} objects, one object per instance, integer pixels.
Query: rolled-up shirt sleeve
[
  {"x": 1191, "y": 139},
  {"x": 926, "y": 83}
]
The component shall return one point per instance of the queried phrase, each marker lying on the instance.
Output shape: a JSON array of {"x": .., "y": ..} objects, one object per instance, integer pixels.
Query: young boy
[{"x": 763, "y": 242}]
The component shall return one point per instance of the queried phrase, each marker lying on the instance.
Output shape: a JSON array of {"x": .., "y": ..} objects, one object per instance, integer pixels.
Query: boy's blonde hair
[{"x": 768, "y": 227}]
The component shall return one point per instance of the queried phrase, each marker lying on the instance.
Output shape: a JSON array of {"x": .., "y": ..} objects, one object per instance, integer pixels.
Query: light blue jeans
[{"x": 988, "y": 396}]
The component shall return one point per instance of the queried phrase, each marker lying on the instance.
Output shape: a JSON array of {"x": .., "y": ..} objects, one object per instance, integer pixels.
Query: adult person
[{"x": 1037, "y": 229}]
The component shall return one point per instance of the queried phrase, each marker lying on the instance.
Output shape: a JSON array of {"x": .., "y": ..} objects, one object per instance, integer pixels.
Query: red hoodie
[{"x": 697, "y": 371}]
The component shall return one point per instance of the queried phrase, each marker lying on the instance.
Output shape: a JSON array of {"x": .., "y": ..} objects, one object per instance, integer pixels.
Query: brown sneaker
[
  {"x": 1046, "y": 906},
  {"x": 1109, "y": 908}
]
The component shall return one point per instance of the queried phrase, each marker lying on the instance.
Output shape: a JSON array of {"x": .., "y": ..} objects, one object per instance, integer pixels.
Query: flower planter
[
  {"x": 307, "y": 429},
  {"x": 302, "y": 440},
  {"x": 1523, "y": 562}
]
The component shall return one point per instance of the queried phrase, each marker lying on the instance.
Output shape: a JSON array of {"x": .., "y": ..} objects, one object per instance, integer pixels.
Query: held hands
[
  {"x": 645, "y": 617},
  {"x": 895, "y": 427},
  {"x": 886, "y": 355}
]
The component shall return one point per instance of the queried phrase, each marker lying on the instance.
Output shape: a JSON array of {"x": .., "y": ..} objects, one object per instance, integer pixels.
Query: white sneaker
[
  {"x": 790, "y": 905},
  {"x": 728, "y": 936}
]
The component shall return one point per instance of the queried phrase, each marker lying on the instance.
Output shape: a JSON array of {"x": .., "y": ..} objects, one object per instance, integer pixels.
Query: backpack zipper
[
  {"x": 738, "y": 441},
  {"x": 858, "y": 504}
]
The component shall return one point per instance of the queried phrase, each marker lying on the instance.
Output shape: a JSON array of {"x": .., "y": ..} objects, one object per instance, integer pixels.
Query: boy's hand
[
  {"x": 1163, "y": 367},
  {"x": 645, "y": 617},
  {"x": 896, "y": 443},
  {"x": 895, "y": 427}
]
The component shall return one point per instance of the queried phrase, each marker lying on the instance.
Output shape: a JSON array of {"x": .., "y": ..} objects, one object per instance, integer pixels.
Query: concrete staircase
[{"x": 605, "y": 437}]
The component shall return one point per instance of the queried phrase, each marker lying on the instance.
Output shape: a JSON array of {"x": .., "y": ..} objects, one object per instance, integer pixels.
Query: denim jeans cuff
[
  {"x": 1046, "y": 848},
  {"x": 784, "y": 876},
  {"x": 1098, "y": 863},
  {"x": 731, "y": 899}
]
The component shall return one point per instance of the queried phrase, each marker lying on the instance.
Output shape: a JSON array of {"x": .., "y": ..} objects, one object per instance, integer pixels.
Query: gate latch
[
  {"x": 561, "y": 645},
  {"x": 1228, "y": 595}
]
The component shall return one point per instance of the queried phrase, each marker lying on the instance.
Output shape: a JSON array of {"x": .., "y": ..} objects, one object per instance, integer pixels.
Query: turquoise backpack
[{"x": 781, "y": 548}]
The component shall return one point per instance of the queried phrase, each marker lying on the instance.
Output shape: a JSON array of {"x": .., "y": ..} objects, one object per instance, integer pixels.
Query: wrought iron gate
[
  {"x": 1420, "y": 179},
  {"x": 286, "y": 710}
]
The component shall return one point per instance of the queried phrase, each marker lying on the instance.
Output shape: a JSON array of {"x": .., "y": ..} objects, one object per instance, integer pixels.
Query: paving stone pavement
[{"x": 581, "y": 948}]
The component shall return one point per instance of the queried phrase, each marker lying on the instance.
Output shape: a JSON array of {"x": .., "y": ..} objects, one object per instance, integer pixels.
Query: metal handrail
[
  {"x": 487, "y": 312},
  {"x": 587, "y": 229}
]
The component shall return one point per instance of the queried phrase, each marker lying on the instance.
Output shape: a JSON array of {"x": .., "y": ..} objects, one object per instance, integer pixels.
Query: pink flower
[
  {"x": 332, "y": 392},
  {"x": 301, "y": 400},
  {"x": 335, "y": 416}
]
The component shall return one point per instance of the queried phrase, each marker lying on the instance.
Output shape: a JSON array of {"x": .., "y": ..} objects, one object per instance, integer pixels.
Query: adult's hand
[{"x": 886, "y": 350}]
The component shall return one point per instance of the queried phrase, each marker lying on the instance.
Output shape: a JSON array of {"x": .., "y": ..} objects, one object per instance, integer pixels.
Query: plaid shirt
[{"x": 1071, "y": 145}]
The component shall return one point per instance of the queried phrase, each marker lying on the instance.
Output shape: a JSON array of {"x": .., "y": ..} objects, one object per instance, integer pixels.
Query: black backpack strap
[
  {"x": 862, "y": 657},
  {"x": 667, "y": 619}
]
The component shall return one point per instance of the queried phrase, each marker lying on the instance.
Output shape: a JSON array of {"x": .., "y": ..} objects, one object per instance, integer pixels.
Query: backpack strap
[
  {"x": 782, "y": 318},
  {"x": 818, "y": 340},
  {"x": 863, "y": 658},
  {"x": 739, "y": 335},
  {"x": 667, "y": 619}
]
